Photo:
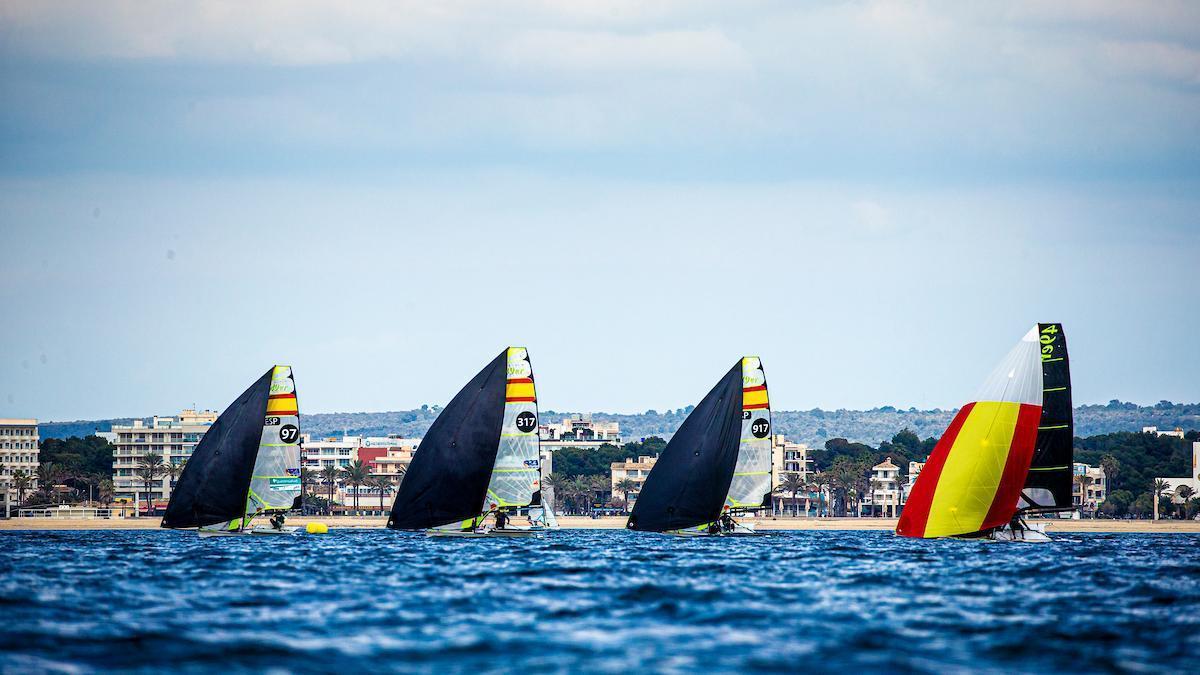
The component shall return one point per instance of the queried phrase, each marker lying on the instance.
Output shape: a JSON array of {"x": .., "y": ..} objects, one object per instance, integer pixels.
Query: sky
[{"x": 877, "y": 198}]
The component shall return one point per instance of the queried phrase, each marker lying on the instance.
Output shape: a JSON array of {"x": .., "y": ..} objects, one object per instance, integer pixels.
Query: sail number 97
[{"x": 288, "y": 433}]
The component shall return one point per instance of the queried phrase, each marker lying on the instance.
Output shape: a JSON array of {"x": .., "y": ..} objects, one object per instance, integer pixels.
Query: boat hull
[
  {"x": 251, "y": 532},
  {"x": 475, "y": 534},
  {"x": 1030, "y": 534}
]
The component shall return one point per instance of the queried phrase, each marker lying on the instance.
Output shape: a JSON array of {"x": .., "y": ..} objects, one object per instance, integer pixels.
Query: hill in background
[{"x": 808, "y": 426}]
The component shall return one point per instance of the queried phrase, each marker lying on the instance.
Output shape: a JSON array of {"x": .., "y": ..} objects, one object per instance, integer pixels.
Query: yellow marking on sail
[
  {"x": 973, "y": 469},
  {"x": 752, "y": 473},
  {"x": 276, "y": 405},
  {"x": 752, "y": 398},
  {"x": 519, "y": 434},
  {"x": 519, "y": 390}
]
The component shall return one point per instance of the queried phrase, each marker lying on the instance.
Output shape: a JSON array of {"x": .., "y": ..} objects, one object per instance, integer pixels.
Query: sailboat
[
  {"x": 1006, "y": 454},
  {"x": 716, "y": 469},
  {"x": 480, "y": 457},
  {"x": 246, "y": 465}
]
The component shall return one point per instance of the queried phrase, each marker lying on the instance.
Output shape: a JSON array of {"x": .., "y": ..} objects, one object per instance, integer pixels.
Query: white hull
[
  {"x": 254, "y": 531},
  {"x": 1029, "y": 534},
  {"x": 474, "y": 534},
  {"x": 740, "y": 529}
]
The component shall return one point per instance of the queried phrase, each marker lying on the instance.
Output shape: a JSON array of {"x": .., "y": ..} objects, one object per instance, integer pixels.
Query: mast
[
  {"x": 973, "y": 478},
  {"x": 213, "y": 486},
  {"x": 750, "y": 487},
  {"x": 1048, "y": 487},
  {"x": 691, "y": 479},
  {"x": 449, "y": 475}
]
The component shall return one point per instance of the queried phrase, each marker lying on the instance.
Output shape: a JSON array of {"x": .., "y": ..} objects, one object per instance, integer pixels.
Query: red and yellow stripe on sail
[
  {"x": 519, "y": 390},
  {"x": 973, "y": 477},
  {"x": 754, "y": 398}
]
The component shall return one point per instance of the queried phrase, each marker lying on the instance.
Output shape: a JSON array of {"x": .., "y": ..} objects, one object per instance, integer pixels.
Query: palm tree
[
  {"x": 1112, "y": 468},
  {"x": 383, "y": 484},
  {"x": 356, "y": 473},
  {"x": 308, "y": 479},
  {"x": 172, "y": 471},
  {"x": 820, "y": 482},
  {"x": 1160, "y": 486},
  {"x": 21, "y": 481},
  {"x": 149, "y": 469},
  {"x": 104, "y": 490},
  {"x": 329, "y": 476},
  {"x": 793, "y": 483},
  {"x": 1185, "y": 493},
  {"x": 47, "y": 475},
  {"x": 625, "y": 486},
  {"x": 1084, "y": 481},
  {"x": 559, "y": 487}
]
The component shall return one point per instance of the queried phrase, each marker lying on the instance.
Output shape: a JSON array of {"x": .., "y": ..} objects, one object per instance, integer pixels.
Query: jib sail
[
  {"x": 974, "y": 475},
  {"x": 1048, "y": 487},
  {"x": 690, "y": 482}
]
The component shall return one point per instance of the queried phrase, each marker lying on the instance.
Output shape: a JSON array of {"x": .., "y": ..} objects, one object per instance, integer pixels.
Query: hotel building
[
  {"x": 886, "y": 495},
  {"x": 18, "y": 451},
  {"x": 635, "y": 470},
  {"x": 1096, "y": 490},
  {"x": 787, "y": 457},
  {"x": 173, "y": 438},
  {"x": 578, "y": 431}
]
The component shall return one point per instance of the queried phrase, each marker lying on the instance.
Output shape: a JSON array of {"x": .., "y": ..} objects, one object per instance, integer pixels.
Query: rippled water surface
[{"x": 597, "y": 601}]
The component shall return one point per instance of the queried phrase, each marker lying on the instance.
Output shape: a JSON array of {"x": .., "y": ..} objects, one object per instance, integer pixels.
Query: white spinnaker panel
[
  {"x": 516, "y": 474},
  {"x": 275, "y": 483},
  {"x": 752, "y": 473},
  {"x": 1018, "y": 378}
]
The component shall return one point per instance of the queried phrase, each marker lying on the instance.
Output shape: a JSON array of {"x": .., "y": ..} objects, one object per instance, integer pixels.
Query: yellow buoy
[{"x": 317, "y": 528}]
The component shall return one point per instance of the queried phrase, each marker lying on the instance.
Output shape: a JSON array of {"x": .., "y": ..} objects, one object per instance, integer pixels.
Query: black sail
[
  {"x": 449, "y": 474},
  {"x": 1048, "y": 485},
  {"x": 689, "y": 482},
  {"x": 216, "y": 478}
]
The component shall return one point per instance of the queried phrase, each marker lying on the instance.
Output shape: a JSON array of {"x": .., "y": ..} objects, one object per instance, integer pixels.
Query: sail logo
[{"x": 532, "y": 463}]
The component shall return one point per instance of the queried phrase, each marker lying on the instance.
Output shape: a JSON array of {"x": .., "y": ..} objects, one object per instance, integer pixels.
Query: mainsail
[
  {"x": 481, "y": 450},
  {"x": 1048, "y": 487},
  {"x": 248, "y": 461},
  {"x": 693, "y": 477},
  {"x": 973, "y": 478},
  {"x": 751, "y": 484}
]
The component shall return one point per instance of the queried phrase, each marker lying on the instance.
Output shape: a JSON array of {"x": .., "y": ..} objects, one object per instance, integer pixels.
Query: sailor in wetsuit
[
  {"x": 501, "y": 520},
  {"x": 277, "y": 521},
  {"x": 727, "y": 523}
]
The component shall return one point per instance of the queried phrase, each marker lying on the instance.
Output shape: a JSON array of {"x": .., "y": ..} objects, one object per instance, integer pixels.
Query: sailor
[
  {"x": 501, "y": 520},
  {"x": 277, "y": 521},
  {"x": 727, "y": 522}
]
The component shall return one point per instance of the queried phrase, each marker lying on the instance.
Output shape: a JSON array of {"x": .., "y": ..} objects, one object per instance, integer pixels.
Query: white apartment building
[
  {"x": 1096, "y": 490},
  {"x": 886, "y": 495},
  {"x": 18, "y": 451},
  {"x": 316, "y": 454},
  {"x": 635, "y": 470},
  {"x": 172, "y": 438},
  {"x": 914, "y": 470},
  {"x": 1178, "y": 433},
  {"x": 578, "y": 431},
  {"x": 786, "y": 457}
]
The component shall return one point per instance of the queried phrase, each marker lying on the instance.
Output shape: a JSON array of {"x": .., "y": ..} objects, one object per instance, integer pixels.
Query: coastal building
[
  {"x": 632, "y": 469},
  {"x": 1192, "y": 481},
  {"x": 1177, "y": 433},
  {"x": 387, "y": 456},
  {"x": 172, "y": 438},
  {"x": 1090, "y": 488},
  {"x": 578, "y": 431},
  {"x": 787, "y": 457},
  {"x": 914, "y": 470},
  {"x": 18, "y": 452},
  {"x": 886, "y": 494}
]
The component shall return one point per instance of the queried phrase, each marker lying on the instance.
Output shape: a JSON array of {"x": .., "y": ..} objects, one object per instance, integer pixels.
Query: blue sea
[{"x": 596, "y": 601}]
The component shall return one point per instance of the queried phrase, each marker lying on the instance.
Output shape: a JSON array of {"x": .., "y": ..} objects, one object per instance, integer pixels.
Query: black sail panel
[
  {"x": 215, "y": 480},
  {"x": 448, "y": 477},
  {"x": 1048, "y": 485},
  {"x": 689, "y": 482}
]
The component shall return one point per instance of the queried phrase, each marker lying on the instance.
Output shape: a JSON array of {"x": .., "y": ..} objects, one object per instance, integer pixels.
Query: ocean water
[{"x": 596, "y": 601}]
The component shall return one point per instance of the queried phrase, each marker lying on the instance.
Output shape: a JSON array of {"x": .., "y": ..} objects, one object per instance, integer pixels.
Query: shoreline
[{"x": 616, "y": 523}]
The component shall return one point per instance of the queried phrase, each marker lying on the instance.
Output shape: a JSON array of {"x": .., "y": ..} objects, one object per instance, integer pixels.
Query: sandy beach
[{"x": 581, "y": 523}]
